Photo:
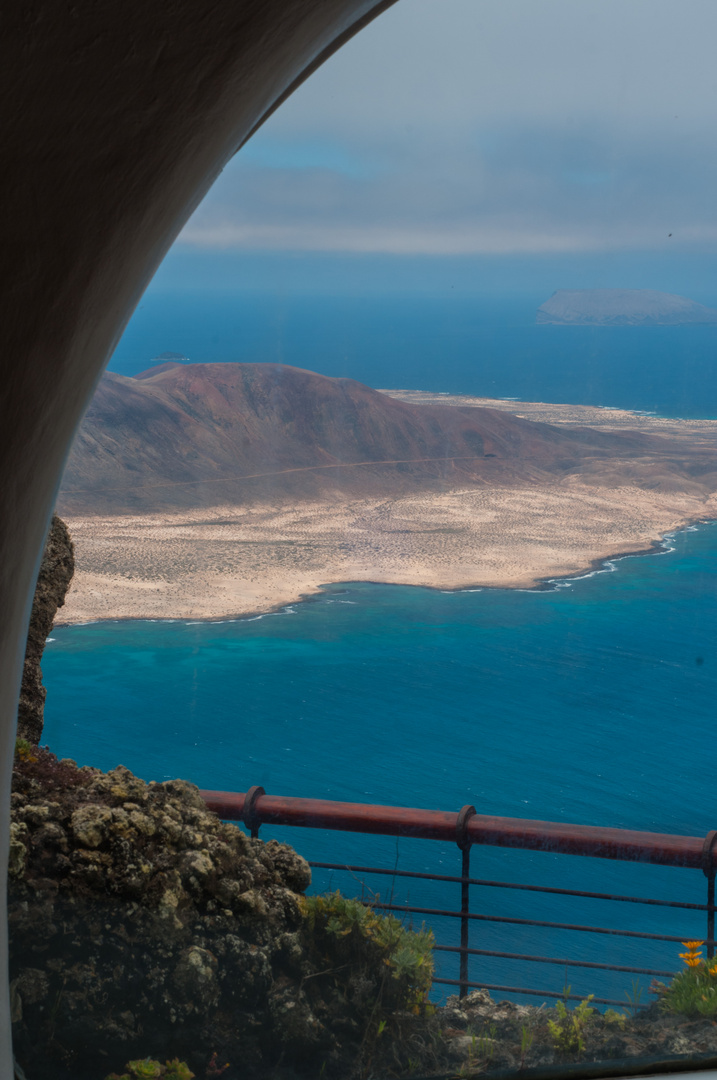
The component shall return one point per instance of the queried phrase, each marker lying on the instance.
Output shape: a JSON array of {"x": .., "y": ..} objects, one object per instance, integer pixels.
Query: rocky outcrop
[
  {"x": 484, "y": 1037},
  {"x": 140, "y": 925},
  {"x": 56, "y": 570}
]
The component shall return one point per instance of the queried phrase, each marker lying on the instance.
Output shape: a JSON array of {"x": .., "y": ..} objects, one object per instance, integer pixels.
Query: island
[
  {"x": 200, "y": 491},
  {"x": 621, "y": 307}
]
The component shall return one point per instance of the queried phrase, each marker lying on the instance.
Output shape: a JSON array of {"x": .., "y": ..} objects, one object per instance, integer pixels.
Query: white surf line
[{"x": 665, "y": 546}]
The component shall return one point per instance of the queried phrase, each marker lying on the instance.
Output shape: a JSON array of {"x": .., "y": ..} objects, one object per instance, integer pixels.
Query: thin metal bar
[
  {"x": 535, "y": 993},
  {"x": 531, "y": 922},
  {"x": 463, "y": 840},
  {"x": 555, "y": 960},
  {"x": 465, "y": 907},
  {"x": 249, "y": 816},
  {"x": 708, "y": 869},
  {"x": 512, "y": 885}
]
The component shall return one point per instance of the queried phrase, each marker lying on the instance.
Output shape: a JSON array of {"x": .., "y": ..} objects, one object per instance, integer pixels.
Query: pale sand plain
[{"x": 232, "y": 562}]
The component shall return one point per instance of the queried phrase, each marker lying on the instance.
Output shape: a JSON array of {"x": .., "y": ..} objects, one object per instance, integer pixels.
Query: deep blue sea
[
  {"x": 457, "y": 344},
  {"x": 590, "y": 702}
]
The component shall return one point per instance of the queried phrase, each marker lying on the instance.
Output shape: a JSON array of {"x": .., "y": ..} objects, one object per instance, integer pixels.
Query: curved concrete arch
[{"x": 116, "y": 120}]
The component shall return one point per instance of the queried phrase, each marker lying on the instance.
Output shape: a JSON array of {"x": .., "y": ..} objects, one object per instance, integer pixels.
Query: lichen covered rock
[{"x": 141, "y": 924}]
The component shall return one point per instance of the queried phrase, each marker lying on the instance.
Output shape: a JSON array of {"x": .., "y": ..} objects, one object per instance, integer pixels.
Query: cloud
[
  {"x": 463, "y": 128},
  {"x": 389, "y": 240},
  {"x": 506, "y": 191},
  {"x": 488, "y": 240}
]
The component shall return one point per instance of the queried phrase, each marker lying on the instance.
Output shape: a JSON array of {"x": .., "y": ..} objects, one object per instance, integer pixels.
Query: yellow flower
[{"x": 693, "y": 957}]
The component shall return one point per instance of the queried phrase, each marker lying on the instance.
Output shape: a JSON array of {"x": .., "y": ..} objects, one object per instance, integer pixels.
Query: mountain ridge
[{"x": 187, "y": 435}]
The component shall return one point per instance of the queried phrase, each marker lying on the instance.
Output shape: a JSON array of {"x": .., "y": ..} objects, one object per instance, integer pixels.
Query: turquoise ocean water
[{"x": 592, "y": 701}]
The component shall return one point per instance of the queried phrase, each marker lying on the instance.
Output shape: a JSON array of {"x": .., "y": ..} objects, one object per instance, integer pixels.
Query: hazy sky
[
  {"x": 464, "y": 126},
  {"x": 474, "y": 129}
]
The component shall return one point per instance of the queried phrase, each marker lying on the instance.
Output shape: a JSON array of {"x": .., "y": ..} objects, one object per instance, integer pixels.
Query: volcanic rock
[
  {"x": 142, "y": 926},
  {"x": 138, "y": 921},
  {"x": 56, "y": 570}
]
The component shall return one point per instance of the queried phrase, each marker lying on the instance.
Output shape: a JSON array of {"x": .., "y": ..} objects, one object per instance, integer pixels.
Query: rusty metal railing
[{"x": 467, "y": 828}]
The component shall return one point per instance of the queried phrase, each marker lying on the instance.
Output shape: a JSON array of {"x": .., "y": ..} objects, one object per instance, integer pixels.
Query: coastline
[
  {"x": 221, "y": 562},
  {"x": 605, "y": 417},
  {"x": 225, "y": 563},
  {"x": 549, "y": 584}
]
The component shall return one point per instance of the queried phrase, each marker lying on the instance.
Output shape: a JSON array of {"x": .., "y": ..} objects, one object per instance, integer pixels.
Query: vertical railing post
[
  {"x": 249, "y": 814},
  {"x": 464, "y": 843},
  {"x": 708, "y": 869}
]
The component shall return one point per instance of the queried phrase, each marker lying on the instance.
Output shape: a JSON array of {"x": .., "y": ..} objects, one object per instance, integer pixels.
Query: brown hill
[{"x": 188, "y": 435}]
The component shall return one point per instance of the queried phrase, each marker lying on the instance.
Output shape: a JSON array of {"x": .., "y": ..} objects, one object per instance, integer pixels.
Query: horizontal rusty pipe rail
[
  {"x": 601, "y": 843},
  {"x": 467, "y": 828}
]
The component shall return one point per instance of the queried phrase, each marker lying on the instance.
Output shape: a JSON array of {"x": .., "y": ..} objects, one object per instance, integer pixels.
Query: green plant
[
  {"x": 693, "y": 991},
  {"x": 612, "y": 1016},
  {"x": 177, "y": 1070},
  {"x": 146, "y": 1069},
  {"x": 482, "y": 1047},
  {"x": 354, "y": 934},
  {"x": 486, "y": 1044},
  {"x": 149, "y": 1069},
  {"x": 375, "y": 971},
  {"x": 568, "y": 1030},
  {"x": 24, "y": 750},
  {"x": 526, "y": 1041},
  {"x": 634, "y": 999}
]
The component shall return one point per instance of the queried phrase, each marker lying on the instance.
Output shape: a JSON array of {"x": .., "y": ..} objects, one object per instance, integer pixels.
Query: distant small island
[
  {"x": 170, "y": 357},
  {"x": 621, "y": 307}
]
